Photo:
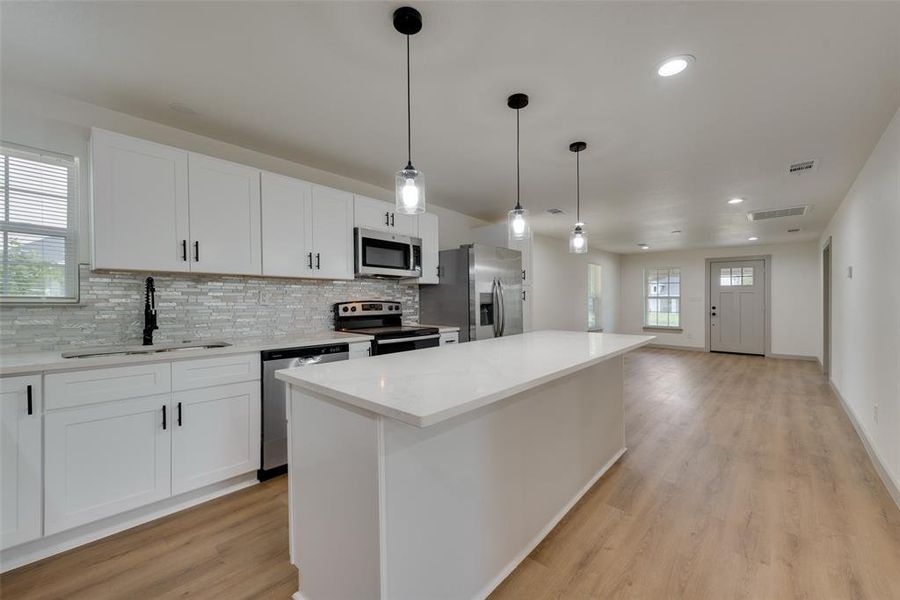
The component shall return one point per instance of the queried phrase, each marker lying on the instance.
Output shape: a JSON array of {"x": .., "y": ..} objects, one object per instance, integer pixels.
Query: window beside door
[
  {"x": 593, "y": 299},
  {"x": 37, "y": 224},
  {"x": 662, "y": 298}
]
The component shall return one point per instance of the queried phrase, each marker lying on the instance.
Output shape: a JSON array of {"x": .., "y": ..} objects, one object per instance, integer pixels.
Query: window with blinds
[
  {"x": 662, "y": 298},
  {"x": 39, "y": 262}
]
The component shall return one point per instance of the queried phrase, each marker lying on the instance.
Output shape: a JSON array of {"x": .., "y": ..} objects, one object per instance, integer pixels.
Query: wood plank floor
[{"x": 743, "y": 479}]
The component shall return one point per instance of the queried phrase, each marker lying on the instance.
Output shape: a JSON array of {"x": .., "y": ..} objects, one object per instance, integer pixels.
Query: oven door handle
[{"x": 409, "y": 339}]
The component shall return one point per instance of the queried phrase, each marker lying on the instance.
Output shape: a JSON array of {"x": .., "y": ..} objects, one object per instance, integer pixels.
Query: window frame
[
  {"x": 646, "y": 296},
  {"x": 598, "y": 307},
  {"x": 70, "y": 234}
]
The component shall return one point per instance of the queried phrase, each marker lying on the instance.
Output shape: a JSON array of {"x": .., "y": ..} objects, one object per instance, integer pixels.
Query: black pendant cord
[
  {"x": 408, "y": 111},
  {"x": 578, "y": 187},
  {"x": 518, "y": 179}
]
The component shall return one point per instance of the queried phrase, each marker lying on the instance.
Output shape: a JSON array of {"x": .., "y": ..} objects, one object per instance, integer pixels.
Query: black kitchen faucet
[{"x": 149, "y": 311}]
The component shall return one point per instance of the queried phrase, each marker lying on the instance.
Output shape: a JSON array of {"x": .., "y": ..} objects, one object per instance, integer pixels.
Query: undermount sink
[{"x": 136, "y": 349}]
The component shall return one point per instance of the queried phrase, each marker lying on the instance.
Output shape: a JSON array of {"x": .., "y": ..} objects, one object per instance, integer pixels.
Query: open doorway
[{"x": 826, "y": 309}]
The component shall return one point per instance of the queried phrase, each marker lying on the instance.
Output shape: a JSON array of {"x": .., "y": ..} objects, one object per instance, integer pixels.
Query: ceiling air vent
[
  {"x": 777, "y": 213},
  {"x": 555, "y": 211},
  {"x": 804, "y": 166}
]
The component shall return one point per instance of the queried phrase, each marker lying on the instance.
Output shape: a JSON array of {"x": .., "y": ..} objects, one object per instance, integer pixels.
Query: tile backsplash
[{"x": 190, "y": 307}]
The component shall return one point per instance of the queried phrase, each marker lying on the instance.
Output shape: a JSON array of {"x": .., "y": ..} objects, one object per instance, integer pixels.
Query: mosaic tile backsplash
[{"x": 190, "y": 307}]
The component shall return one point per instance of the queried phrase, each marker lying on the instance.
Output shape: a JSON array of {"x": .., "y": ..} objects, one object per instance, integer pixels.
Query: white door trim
[{"x": 767, "y": 258}]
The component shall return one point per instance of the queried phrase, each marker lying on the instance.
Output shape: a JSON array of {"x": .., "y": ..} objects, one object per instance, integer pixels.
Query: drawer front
[
  {"x": 449, "y": 338},
  {"x": 360, "y": 350},
  {"x": 80, "y": 388},
  {"x": 206, "y": 372}
]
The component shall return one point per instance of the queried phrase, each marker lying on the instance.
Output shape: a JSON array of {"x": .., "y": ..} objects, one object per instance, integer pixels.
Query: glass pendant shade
[
  {"x": 578, "y": 240},
  {"x": 519, "y": 224},
  {"x": 410, "y": 188}
]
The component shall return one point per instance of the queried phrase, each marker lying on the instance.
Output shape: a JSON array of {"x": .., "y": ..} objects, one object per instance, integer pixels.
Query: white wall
[
  {"x": 865, "y": 317},
  {"x": 40, "y": 119},
  {"x": 795, "y": 320},
  {"x": 560, "y": 286}
]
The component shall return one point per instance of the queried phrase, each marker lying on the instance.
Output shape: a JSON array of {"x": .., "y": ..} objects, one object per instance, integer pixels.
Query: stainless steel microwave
[{"x": 383, "y": 254}]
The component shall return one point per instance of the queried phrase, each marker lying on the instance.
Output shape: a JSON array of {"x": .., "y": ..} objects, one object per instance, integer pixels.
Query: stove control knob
[
  {"x": 352, "y": 309},
  {"x": 345, "y": 309}
]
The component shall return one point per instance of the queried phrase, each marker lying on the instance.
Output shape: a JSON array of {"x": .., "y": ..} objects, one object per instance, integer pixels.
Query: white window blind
[
  {"x": 39, "y": 262},
  {"x": 662, "y": 298}
]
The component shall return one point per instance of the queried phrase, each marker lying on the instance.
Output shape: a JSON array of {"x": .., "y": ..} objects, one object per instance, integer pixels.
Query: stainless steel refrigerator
[{"x": 480, "y": 291}]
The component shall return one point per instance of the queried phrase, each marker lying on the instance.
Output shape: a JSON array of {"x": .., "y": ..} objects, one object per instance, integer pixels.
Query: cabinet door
[
  {"x": 428, "y": 231},
  {"x": 216, "y": 434},
  {"x": 372, "y": 214},
  {"x": 286, "y": 212},
  {"x": 104, "y": 459},
  {"x": 20, "y": 460},
  {"x": 139, "y": 204},
  {"x": 225, "y": 217},
  {"x": 332, "y": 233}
]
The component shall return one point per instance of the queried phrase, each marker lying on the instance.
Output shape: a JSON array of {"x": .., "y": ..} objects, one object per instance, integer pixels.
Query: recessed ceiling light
[
  {"x": 674, "y": 65},
  {"x": 752, "y": 238},
  {"x": 644, "y": 246},
  {"x": 735, "y": 201}
]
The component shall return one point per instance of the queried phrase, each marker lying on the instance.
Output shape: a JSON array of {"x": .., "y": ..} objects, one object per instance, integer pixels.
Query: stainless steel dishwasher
[{"x": 274, "y": 415}]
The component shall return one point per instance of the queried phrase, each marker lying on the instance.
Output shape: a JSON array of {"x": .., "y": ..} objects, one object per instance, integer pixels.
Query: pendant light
[
  {"x": 409, "y": 182},
  {"x": 517, "y": 220},
  {"x": 578, "y": 238}
]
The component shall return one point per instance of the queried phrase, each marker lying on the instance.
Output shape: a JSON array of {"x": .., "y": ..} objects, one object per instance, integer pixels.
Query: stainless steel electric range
[{"x": 383, "y": 320}]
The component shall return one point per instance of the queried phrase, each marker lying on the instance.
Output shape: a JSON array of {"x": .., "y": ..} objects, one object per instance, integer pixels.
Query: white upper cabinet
[
  {"x": 307, "y": 229},
  {"x": 331, "y": 233},
  {"x": 20, "y": 460},
  {"x": 428, "y": 231},
  {"x": 285, "y": 220},
  {"x": 140, "y": 204},
  {"x": 381, "y": 216},
  {"x": 224, "y": 217}
]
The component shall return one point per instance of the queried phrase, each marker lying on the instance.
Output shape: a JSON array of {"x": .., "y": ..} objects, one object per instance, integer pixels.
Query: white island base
[{"x": 384, "y": 509}]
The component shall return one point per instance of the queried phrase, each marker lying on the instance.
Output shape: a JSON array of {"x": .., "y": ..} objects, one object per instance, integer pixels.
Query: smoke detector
[
  {"x": 804, "y": 166},
  {"x": 777, "y": 213}
]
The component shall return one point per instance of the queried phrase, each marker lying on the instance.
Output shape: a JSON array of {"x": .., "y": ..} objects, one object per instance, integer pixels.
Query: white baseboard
[
  {"x": 297, "y": 596},
  {"x": 793, "y": 357},
  {"x": 674, "y": 347},
  {"x": 510, "y": 567},
  {"x": 47, "y": 546},
  {"x": 893, "y": 487}
]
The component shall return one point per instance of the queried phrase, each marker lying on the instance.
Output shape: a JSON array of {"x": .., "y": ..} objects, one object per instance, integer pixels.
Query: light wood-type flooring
[{"x": 743, "y": 479}]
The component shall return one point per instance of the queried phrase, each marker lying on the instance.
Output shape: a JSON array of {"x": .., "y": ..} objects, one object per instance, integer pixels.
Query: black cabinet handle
[
  {"x": 196, "y": 251},
  {"x": 30, "y": 408},
  {"x": 179, "y": 414},
  {"x": 318, "y": 260},
  {"x": 523, "y": 295},
  {"x": 387, "y": 219},
  {"x": 523, "y": 274},
  {"x": 164, "y": 417},
  {"x": 309, "y": 259},
  {"x": 184, "y": 250},
  {"x": 392, "y": 219}
]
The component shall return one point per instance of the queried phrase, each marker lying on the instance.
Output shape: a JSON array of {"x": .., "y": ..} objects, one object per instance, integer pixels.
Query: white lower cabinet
[
  {"x": 360, "y": 350},
  {"x": 104, "y": 459},
  {"x": 215, "y": 434},
  {"x": 450, "y": 337},
  {"x": 20, "y": 460}
]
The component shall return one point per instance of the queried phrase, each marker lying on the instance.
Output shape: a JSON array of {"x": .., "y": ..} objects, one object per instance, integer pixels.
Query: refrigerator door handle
[
  {"x": 502, "y": 307},
  {"x": 496, "y": 307}
]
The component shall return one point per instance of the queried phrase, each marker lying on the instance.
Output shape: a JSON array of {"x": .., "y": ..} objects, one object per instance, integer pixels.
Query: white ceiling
[{"x": 323, "y": 84}]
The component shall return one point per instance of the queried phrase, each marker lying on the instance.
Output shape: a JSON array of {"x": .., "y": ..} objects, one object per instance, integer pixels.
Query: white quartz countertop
[
  {"x": 12, "y": 363},
  {"x": 434, "y": 384}
]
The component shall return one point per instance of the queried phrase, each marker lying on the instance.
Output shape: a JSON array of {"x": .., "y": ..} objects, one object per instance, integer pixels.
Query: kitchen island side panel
[
  {"x": 334, "y": 498},
  {"x": 466, "y": 500}
]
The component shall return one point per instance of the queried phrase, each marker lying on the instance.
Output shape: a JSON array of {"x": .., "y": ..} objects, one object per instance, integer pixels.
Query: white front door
[{"x": 737, "y": 306}]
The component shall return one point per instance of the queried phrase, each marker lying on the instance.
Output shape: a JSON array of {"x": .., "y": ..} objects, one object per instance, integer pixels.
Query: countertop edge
[
  {"x": 461, "y": 409},
  {"x": 59, "y": 364}
]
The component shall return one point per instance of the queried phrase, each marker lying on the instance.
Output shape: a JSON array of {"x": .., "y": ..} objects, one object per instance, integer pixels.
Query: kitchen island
[{"x": 432, "y": 474}]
